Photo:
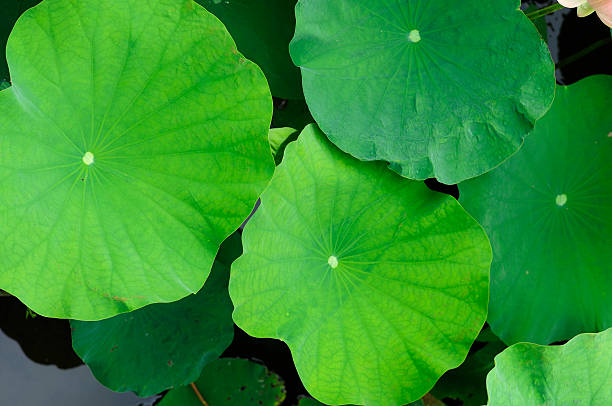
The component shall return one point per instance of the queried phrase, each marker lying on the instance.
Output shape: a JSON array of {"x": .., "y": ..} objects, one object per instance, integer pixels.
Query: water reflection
[{"x": 24, "y": 382}]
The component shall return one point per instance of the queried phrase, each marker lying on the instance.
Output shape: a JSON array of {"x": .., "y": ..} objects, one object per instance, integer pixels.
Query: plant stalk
[
  {"x": 198, "y": 394},
  {"x": 534, "y": 15}
]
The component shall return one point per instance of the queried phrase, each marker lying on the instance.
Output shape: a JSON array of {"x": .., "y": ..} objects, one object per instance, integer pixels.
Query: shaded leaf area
[
  {"x": 262, "y": 30},
  {"x": 279, "y": 138},
  {"x": 346, "y": 262},
  {"x": 134, "y": 141},
  {"x": 11, "y": 10},
  {"x": 291, "y": 113},
  {"x": 43, "y": 340},
  {"x": 274, "y": 354},
  {"x": 162, "y": 345},
  {"x": 548, "y": 214},
  {"x": 576, "y": 373},
  {"x": 230, "y": 382},
  {"x": 465, "y": 385},
  {"x": 420, "y": 84}
]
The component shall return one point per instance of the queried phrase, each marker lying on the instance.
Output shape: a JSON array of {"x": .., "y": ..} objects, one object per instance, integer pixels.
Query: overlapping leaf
[
  {"x": 577, "y": 373},
  {"x": 548, "y": 213},
  {"x": 132, "y": 143},
  {"x": 230, "y": 382},
  {"x": 162, "y": 345},
  {"x": 435, "y": 90},
  {"x": 377, "y": 284}
]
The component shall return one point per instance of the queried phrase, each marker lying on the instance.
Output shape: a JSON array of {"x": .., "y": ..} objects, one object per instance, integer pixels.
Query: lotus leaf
[
  {"x": 377, "y": 284},
  {"x": 548, "y": 213},
  {"x": 434, "y": 89},
  {"x": 133, "y": 141}
]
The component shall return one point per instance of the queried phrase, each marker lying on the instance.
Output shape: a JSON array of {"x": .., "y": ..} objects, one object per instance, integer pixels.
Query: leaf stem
[
  {"x": 534, "y": 15},
  {"x": 198, "y": 394}
]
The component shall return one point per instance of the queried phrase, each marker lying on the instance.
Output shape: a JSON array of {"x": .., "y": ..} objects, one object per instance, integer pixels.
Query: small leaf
[
  {"x": 279, "y": 138},
  {"x": 231, "y": 382}
]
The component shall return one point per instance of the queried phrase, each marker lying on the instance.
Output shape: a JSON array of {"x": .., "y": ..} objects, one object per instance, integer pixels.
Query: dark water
[
  {"x": 37, "y": 364},
  {"x": 39, "y": 368}
]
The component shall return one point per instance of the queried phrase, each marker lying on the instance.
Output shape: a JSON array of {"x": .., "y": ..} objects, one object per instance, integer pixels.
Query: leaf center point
[
  {"x": 561, "y": 199},
  {"x": 414, "y": 36},
  {"x": 88, "y": 158},
  {"x": 333, "y": 262}
]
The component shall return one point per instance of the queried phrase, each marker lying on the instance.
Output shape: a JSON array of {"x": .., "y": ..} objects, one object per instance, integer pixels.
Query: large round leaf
[
  {"x": 577, "y": 373},
  {"x": 435, "y": 89},
  {"x": 162, "y": 345},
  {"x": 262, "y": 30},
  {"x": 377, "y": 284},
  {"x": 548, "y": 213},
  {"x": 230, "y": 382},
  {"x": 132, "y": 143}
]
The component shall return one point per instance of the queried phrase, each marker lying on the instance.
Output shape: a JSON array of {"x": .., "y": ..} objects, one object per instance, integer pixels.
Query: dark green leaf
[
  {"x": 231, "y": 382},
  {"x": 436, "y": 88},
  {"x": 548, "y": 213}
]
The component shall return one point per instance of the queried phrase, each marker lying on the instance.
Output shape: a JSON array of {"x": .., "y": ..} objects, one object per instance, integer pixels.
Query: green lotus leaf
[
  {"x": 548, "y": 213},
  {"x": 132, "y": 143},
  {"x": 436, "y": 91},
  {"x": 279, "y": 138},
  {"x": 162, "y": 345},
  {"x": 577, "y": 373},
  {"x": 262, "y": 30},
  {"x": 230, "y": 382},
  {"x": 377, "y": 284}
]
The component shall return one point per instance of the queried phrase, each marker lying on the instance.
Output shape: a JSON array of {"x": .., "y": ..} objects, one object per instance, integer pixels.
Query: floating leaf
[
  {"x": 377, "y": 284},
  {"x": 437, "y": 91},
  {"x": 548, "y": 213},
  {"x": 132, "y": 143},
  {"x": 231, "y": 382},
  {"x": 262, "y": 30},
  {"x": 162, "y": 345},
  {"x": 577, "y": 373}
]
